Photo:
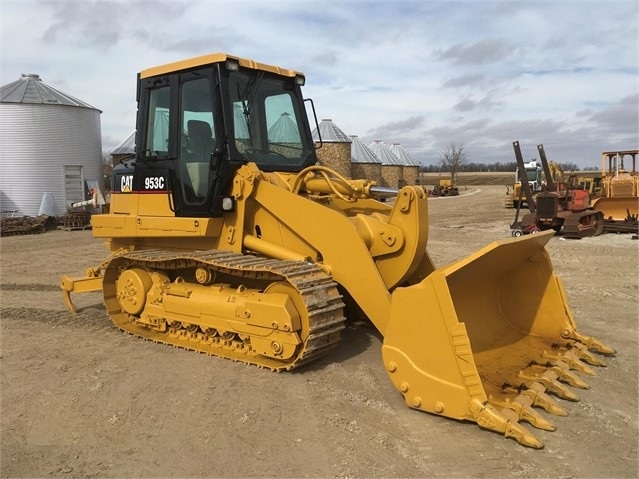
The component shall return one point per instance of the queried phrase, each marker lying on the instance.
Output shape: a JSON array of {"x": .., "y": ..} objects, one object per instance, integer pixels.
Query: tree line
[
  {"x": 454, "y": 159},
  {"x": 509, "y": 166}
]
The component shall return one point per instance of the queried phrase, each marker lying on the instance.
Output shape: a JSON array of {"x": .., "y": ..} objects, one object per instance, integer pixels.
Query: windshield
[
  {"x": 267, "y": 120},
  {"x": 532, "y": 175}
]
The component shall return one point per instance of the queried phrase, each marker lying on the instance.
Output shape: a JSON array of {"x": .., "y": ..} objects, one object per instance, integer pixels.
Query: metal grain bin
[
  {"x": 51, "y": 143},
  {"x": 410, "y": 166},
  {"x": 335, "y": 151},
  {"x": 364, "y": 163},
  {"x": 392, "y": 170}
]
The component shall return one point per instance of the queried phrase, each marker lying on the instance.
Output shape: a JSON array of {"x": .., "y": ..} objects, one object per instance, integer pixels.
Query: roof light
[
  {"x": 300, "y": 80},
  {"x": 232, "y": 65}
]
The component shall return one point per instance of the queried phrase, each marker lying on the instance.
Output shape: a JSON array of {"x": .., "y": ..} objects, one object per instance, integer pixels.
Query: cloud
[
  {"x": 469, "y": 80},
  {"x": 423, "y": 74},
  {"x": 619, "y": 119},
  {"x": 485, "y": 103},
  {"x": 488, "y": 50},
  {"x": 397, "y": 128}
]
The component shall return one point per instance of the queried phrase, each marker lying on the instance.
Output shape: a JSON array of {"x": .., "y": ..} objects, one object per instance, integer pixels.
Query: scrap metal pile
[{"x": 26, "y": 225}]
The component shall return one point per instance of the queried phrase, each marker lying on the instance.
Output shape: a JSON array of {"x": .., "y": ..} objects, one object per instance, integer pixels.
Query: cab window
[{"x": 197, "y": 138}]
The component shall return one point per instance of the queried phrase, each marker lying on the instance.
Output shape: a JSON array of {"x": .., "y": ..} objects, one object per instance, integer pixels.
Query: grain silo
[
  {"x": 335, "y": 151},
  {"x": 50, "y": 146},
  {"x": 364, "y": 163},
  {"x": 125, "y": 150},
  {"x": 392, "y": 168},
  {"x": 410, "y": 166}
]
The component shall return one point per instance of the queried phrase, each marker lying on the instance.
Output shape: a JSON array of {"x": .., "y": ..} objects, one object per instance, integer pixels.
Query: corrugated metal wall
[{"x": 37, "y": 144}]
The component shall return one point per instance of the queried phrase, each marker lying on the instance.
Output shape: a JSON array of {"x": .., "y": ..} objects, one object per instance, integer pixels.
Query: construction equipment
[
  {"x": 618, "y": 198},
  {"x": 562, "y": 206},
  {"x": 226, "y": 241},
  {"x": 445, "y": 187},
  {"x": 531, "y": 172}
]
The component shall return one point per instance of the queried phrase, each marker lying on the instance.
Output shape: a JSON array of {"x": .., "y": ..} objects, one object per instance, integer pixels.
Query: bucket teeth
[
  {"x": 505, "y": 422},
  {"x": 561, "y": 370},
  {"x": 591, "y": 343},
  {"x": 582, "y": 352},
  {"x": 549, "y": 381},
  {"x": 522, "y": 406},
  {"x": 571, "y": 359},
  {"x": 536, "y": 392}
]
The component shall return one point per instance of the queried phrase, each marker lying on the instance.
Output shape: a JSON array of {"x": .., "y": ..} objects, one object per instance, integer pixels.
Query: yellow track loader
[{"x": 226, "y": 237}]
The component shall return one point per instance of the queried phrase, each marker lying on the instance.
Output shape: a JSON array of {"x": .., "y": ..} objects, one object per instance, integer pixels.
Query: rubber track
[{"x": 317, "y": 289}]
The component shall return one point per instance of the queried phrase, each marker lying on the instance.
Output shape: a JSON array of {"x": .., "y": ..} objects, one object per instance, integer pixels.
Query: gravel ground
[{"x": 79, "y": 398}]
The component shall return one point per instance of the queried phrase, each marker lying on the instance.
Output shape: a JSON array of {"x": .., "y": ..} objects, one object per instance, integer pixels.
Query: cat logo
[{"x": 126, "y": 183}]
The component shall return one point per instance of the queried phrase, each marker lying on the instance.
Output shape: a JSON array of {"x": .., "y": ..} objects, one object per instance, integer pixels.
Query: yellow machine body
[
  {"x": 293, "y": 254},
  {"x": 618, "y": 198}
]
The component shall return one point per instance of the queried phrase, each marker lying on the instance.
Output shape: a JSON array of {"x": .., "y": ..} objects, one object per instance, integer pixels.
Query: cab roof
[{"x": 214, "y": 58}]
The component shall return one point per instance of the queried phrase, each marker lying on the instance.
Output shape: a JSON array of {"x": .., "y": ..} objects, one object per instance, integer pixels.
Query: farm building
[
  {"x": 410, "y": 171},
  {"x": 51, "y": 144},
  {"x": 392, "y": 167},
  {"x": 125, "y": 150},
  {"x": 364, "y": 163},
  {"x": 335, "y": 151}
]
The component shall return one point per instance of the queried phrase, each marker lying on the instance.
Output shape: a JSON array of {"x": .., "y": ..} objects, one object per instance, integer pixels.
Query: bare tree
[{"x": 452, "y": 158}]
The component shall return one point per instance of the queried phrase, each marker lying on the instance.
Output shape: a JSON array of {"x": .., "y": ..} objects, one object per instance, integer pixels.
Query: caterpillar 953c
[{"x": 226, "y": 237}]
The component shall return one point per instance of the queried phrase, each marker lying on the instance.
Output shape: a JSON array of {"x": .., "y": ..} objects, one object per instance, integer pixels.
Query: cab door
[{"x": 178, "y": 140}]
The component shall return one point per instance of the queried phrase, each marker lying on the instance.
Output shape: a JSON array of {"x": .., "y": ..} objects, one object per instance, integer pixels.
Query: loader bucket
[{"x": 487, "y": 338}]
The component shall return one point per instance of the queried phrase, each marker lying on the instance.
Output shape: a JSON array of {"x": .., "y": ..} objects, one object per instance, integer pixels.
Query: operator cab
[{"x": 201, "y": 119}]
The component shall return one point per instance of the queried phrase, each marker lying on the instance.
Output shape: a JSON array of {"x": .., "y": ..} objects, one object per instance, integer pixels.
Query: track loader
[{"x": 226, "y": 237}]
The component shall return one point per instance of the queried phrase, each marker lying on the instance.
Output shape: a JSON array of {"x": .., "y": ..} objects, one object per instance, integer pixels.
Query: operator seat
[
  {"x": 201, "y": 139},
  {"x": 197, "y": 165}
]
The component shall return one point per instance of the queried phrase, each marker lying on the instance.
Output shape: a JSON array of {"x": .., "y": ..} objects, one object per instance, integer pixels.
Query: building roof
[
  {"x": 32, "y": 90},
  {"x": 126, "y": 147},
  {"x": 330, "y": 133},
  {"x": 360, "y": 153},
  {"x": 383, "y": 153},
  {"x": 400, "y": 152},
  {"x": 284, "y": 130}
]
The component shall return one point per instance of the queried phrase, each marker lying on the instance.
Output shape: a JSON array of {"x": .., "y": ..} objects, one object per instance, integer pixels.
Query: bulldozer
[
  {"x": 618, "y": 197},
  {"x": 562, "y": 206},
  {"x": 445, "y": 187},
  {"x": 229, "y": 240}
]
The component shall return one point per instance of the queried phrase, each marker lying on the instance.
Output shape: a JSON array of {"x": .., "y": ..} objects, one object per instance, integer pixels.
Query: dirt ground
[{"x": 79, "y": 398}]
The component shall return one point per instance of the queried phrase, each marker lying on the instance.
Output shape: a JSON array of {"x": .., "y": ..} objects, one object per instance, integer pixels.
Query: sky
[{"x": 425, "y": 74}]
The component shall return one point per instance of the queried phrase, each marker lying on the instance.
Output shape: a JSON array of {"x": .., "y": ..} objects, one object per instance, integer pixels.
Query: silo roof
[
  {"x": 32, "y": 90},
  {"x": 330, "y": 133},
  {"x": 127, "y": 146},
  {"x": 360, "y": 153},
  {"x": 284, "y": 130},
  {"x": 400, "y": 152},
  {"x": 384, "y": 154}
]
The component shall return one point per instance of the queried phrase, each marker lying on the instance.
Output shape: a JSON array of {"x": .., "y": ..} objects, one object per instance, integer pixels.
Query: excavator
[{"x": 230, "y": 240}]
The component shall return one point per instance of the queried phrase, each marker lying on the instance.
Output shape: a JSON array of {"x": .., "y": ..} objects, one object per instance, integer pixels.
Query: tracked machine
[
  {"x": 562, "y": 206},
  {"x": 229, "y": 239},
  {"x": 618, "y": 195}
]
